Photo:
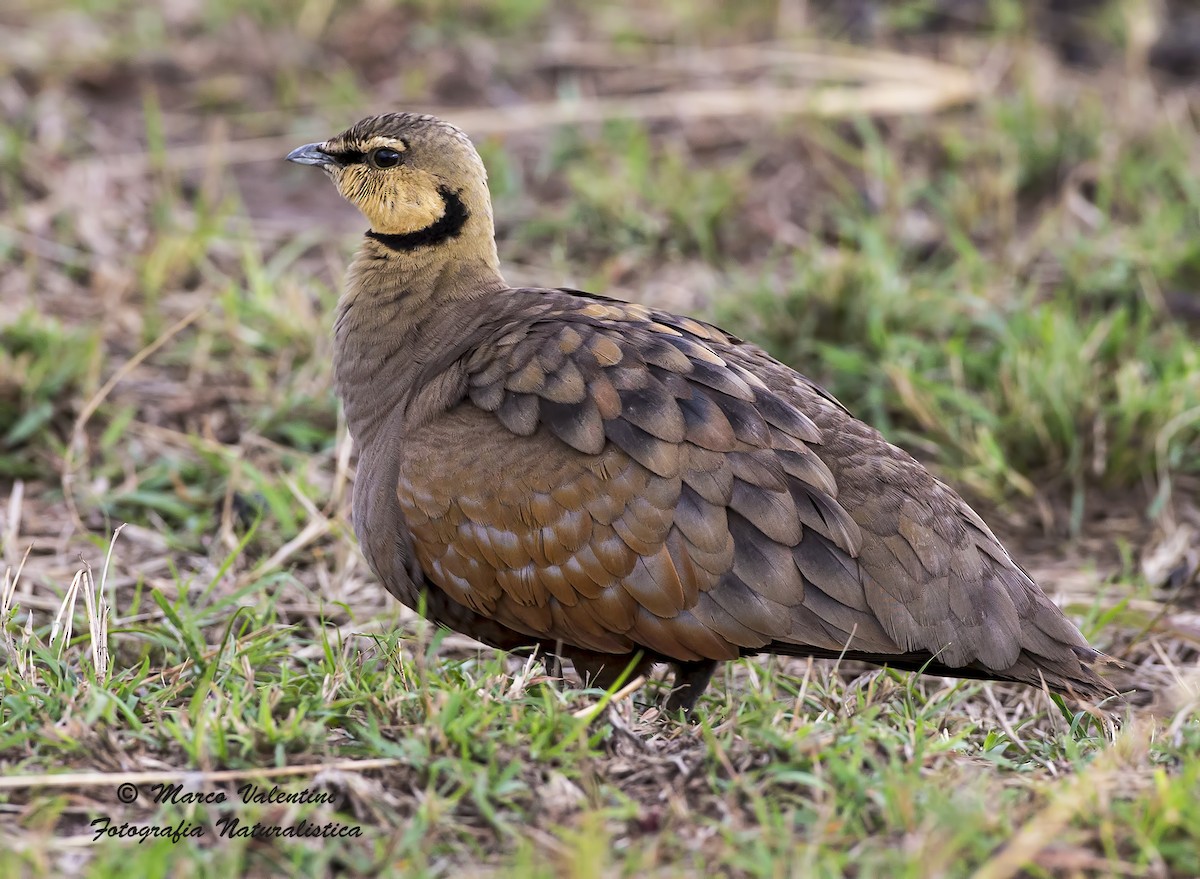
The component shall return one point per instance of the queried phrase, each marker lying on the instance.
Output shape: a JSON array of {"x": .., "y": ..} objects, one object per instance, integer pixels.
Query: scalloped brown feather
[{"x": 543, "y": 468}]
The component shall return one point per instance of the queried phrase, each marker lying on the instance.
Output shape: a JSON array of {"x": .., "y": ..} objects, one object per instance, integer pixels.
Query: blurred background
[
  {"x": 974, "y": 221},
  {"x": 977, "y": 222}
]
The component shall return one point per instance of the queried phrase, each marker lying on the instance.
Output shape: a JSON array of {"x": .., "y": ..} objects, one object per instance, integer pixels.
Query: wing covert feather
[{"x": 630, "y": 479}]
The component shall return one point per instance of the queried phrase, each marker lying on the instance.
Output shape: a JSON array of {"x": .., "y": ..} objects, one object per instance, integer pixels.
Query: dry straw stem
[
  {"x": 191, "y": 778},
  {"x": 60, "y": 631},
  {"x": 12, "y": 525},
  {"x": 20, "y": 656},
  {"x": 592, "y": 711},
  {"x": 884, "y": 83},
  {"x": 96, "y": 606}
]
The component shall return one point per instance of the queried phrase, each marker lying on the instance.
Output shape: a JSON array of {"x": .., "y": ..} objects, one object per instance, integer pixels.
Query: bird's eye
[{"x": 384, "y": 158}]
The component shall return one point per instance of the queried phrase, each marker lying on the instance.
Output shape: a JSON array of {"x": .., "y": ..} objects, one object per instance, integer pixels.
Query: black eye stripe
[
  {"x": 349, "y": 157},
  {"x": 355, "y": 157}
]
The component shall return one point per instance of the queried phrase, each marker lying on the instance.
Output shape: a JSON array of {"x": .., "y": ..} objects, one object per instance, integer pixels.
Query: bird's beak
[{"x": 311, "y": 154}]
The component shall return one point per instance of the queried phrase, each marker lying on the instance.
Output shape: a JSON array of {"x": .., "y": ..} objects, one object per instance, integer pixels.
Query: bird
[{"x": 545, "y": 469}]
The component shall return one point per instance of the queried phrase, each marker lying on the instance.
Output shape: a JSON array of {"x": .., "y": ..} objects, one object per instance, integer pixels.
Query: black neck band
[{"x": 448, "y": 226}]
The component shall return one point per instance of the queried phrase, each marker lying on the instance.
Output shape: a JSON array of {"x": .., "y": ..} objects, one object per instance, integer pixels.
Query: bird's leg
[
  {"x": 691, "y": 679},
  {"x": 552, "y": 663}
]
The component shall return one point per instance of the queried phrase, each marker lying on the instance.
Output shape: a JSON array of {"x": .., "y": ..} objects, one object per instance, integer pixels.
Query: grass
[{"x": 1007, "y": 289}]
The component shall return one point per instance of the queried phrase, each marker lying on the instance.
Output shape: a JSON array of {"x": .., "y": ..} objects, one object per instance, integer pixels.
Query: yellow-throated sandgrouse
[{"x": 547, "y": 468}]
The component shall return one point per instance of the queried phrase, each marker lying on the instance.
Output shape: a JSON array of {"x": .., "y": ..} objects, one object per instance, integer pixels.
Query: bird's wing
[
  {"x": 619, "y": 477},
  {"x": 932, "y": 571}
]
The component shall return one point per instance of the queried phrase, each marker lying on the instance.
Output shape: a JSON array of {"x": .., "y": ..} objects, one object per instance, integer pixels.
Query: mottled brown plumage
[{"x": 617, "y": 484}]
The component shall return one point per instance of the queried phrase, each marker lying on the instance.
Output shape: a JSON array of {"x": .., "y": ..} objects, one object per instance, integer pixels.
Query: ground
[{"x": 977, "y": 223}]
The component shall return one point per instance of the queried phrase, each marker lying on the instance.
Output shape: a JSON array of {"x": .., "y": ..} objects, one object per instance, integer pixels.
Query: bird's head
[{"x": 417, "y": 179}]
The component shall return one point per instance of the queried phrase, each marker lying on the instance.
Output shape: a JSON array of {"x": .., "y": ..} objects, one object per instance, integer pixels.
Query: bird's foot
[{"x": 691, "y": 680}]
